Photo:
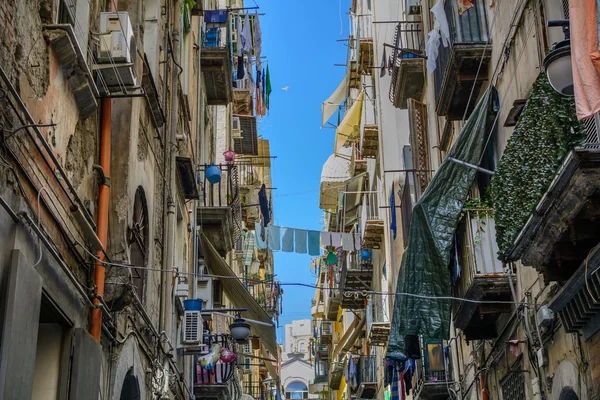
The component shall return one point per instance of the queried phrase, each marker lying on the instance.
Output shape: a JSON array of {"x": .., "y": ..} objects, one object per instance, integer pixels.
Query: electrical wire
[{"x": 346, "y": 293}]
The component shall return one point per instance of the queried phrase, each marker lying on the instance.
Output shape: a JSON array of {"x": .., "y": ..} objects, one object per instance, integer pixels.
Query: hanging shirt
[
  {"x": 259, "y": 238},
  {"x": 245, "y": 36},
  {"x": 393, "y": 211},
  {"x": 257, "y": 41},
  {"x": 313, "y": 243},
  {"x": 264, "y": 205}
]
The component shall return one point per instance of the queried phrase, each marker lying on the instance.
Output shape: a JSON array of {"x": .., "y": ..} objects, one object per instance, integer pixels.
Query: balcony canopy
[
  {"x": 333, "y": 102},
  {"x": 335, "y": 172},
  {"x": 434, "y": 220},
  {"x": 349, "y": 128},
  {"x": 241, "y": 298}
]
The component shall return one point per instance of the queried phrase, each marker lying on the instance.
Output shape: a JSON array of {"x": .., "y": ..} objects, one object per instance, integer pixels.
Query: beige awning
[
  {"x": 333, "y": 102},
  {"x": 349, "y": 128},
  {"x": 241, "y": 298}
]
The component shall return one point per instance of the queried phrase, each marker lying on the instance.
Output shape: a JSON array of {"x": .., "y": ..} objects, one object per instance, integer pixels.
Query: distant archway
[
  {"x": 296, "y": 390},
  {"x": 131, "y": 387}
]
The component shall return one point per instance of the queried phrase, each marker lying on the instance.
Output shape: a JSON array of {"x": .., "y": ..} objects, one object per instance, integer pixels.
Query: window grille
[{"x": 513, "y": 384}]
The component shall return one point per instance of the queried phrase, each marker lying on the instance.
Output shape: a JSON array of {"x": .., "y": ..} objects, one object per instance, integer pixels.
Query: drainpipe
[
  {"x": 102, "y": 224},
  {"x": 171, "y": 146}
]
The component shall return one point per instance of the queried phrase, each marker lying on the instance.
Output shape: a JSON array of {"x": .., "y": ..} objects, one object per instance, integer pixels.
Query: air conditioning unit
[
  {"x": 192, "y": 328},
  {"x": 413, "y": 7},
  {"x": 117, "y": 52},
  {"x": 205, "y": 292},
  {"x": 236, "y": 129}
]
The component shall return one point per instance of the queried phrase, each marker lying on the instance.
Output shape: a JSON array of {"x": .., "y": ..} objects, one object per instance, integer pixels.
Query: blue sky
[{"x": 300, "y": 43}]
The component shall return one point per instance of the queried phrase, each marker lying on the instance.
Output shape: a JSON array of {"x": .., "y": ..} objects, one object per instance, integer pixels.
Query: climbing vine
[{"x": 545, "y": 133}]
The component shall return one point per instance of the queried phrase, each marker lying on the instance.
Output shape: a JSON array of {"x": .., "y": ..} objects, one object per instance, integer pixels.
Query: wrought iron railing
[
  {"x": 221, "y": 372},
  {"x": 408, "y": 44},
  {"x": 225, "y": 193},
  {"x": 321, "y": 371},
  {"x": 267, "y": 292},
  {"x": 367, "y": 368},
  {"x": 469, "y": 28}
]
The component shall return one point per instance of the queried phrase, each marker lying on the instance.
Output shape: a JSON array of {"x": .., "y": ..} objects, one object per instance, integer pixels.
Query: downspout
[
  {"x": 103, "y": 198},
  {"x": 171, "y": 146}
]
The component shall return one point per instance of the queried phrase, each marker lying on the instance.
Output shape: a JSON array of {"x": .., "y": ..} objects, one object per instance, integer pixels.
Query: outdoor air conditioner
[
  {"x": 117, "y": 52},
  {"x": 192, "y": 328},
  {"x": 236, "y": 130},
  {"x": 413, "y": 7}
]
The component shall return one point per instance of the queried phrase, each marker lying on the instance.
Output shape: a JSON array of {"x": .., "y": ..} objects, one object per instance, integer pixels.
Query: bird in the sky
[{"x": 285, "y": 88}]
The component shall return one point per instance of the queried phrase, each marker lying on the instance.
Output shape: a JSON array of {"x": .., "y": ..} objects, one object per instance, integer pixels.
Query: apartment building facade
[{"x": 471, "y": 279}]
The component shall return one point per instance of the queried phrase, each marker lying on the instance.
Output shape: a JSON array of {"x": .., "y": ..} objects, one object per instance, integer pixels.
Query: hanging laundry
[
  {"x": 274, "y": 238},
  {"x": 395, "y": 386},
  {"x": 249, "y": 243},
  {"x": 257, "y": 41},
  {"x": 325, "y": 239},
  {"x": 431, "y": 49},
  {"x": 348, "y": 241},
  {"x": 357, "y": 242},
  {"x": 238, "y": 27},
  {"x": 313, "y": 242},
  {"x": 331, "y": 259},
  {"x": 413, "y": 347},
  {"x": 336, "y": 239},
  {"x": 464, "y": 5},
  {"x": 245, "y": 36},
  {"x": 441, "y": 22},
  {"x": 259, "y": 84},
  {"x": 301, "y": 243},
  {"x": 268, "y": 87},
  {"x": 240, "y": 68},
  {"x": 287, "y": 240},
  {"x": 393, "y": 212},
  {"x": 401, "y": 388},
  {"x": 264, "y": 205},
  {"x": 383, "y": 65},
  {"x": 514, "y": 347},
  {"x": 260, "y": 236},
  {"x": 263, "y": 108}
]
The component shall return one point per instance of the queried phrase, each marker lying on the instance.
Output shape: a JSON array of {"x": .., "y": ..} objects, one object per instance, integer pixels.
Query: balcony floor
[
  {"x": 432, "y": 391},
  {"x": 478, "y": 321},
  {"x": 217, "y": 224},
  {"x": 409, "y": 81},
  {"x": 216, "y": 68}
]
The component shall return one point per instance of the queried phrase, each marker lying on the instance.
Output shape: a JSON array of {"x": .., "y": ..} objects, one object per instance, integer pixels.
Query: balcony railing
[
  {"x": 478, "y": 274},
  {"x": 457, "y": 64},
  {"x": 378, "y": 321},
  {"x": 431, "y": 375},
  {"x": 217, "y": 58},
  {"x": 221, "y": 372},
  {"x": 371, "y": 220},
  {"x": 408, "y": 63},
  {"x": 321, "y": 371},
  {"x": 267, "y": 293}
]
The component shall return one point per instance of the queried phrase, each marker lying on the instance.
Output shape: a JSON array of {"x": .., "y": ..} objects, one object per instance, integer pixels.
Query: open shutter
[
  {"x": 417, "y": 115},
  {"x": 85, "y": 366}
]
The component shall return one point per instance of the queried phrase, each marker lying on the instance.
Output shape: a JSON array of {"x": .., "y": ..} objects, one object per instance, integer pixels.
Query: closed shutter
[
  {"x": 85, "y": 366},
  {"x": 419, "y": 143},
  {"x": 248, "y": 143},
  {"x": 217, "y": 293}
]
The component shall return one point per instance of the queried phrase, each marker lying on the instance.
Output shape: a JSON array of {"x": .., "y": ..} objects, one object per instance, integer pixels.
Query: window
[
  {"x": 66, "y": 12},
  {"x": 138, "y": 241},
  {"x": 296, "y": 390},
  {"x": 513, "y": 384},
  {"x": 217, "y": 294}
]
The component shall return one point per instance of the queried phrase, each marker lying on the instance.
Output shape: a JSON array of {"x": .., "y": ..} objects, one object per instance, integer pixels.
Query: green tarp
[{"x": 425, "y": 265}]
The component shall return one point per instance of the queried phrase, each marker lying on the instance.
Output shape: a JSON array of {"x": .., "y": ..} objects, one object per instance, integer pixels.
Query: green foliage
[{"x": 545, "y": 133}]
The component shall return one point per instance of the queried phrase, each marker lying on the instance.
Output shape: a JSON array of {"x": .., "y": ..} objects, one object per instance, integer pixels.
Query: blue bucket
[
  {"x": 213, "y": 174},
  {"x": 192, "y": 305},
  {"x": 365, "y": 254}
]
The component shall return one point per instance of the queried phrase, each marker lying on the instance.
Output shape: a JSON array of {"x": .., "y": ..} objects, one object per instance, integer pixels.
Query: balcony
[
  {"x": 378, "y": 322},
  {"x": 212, "y": 384},
  {"x": 220, "y": 209},
  {"x": 366, "y": 56},
  {"x": 367, "y": 378},
  {"x": 216, "y": 64},
  {"x": 431, "y": 376},
  {"x": 456, "y": 74},
  {"x": 356, "y": 276},
  {"x": 319, "y": 384},
  {"x": 323, "y": 352},
  {"x": 408, "y": 61},
  {"x": 371, "y": 221},
  {"x": 333, "y": 297},
  {"x": 243, "y": 102},
  {"x": 481, "y": 276},
  {"x": 370, "y": 141},
  {"x": 353, "y": 73},
  {"x": 266, "y": 292},
  {"x": 325, "y": 331},
  {"x": 336, "y": 372}
]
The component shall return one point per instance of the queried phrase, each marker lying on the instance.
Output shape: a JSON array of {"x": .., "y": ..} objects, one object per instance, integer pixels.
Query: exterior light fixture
[
  {"x": 240, "y": 330},
  {"x": 557, "y": 62}
]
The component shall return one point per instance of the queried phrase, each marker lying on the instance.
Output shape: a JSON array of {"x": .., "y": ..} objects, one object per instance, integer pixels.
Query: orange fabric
[{"x": 585, "y": 56}]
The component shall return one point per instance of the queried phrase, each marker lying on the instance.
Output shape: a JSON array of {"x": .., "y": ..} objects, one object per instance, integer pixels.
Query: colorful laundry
[{"x": 301, "y": 241}]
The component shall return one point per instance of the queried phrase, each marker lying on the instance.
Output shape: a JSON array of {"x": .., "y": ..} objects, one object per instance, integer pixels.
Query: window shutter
[
  {"x": 417, "y": 115},
  {"x": 217, "y": 293}
]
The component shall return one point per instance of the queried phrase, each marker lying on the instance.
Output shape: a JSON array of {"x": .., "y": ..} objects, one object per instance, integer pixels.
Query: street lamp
[
  {"x": 240, "y": 330},
  {"x": 557, "y": 63}
]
